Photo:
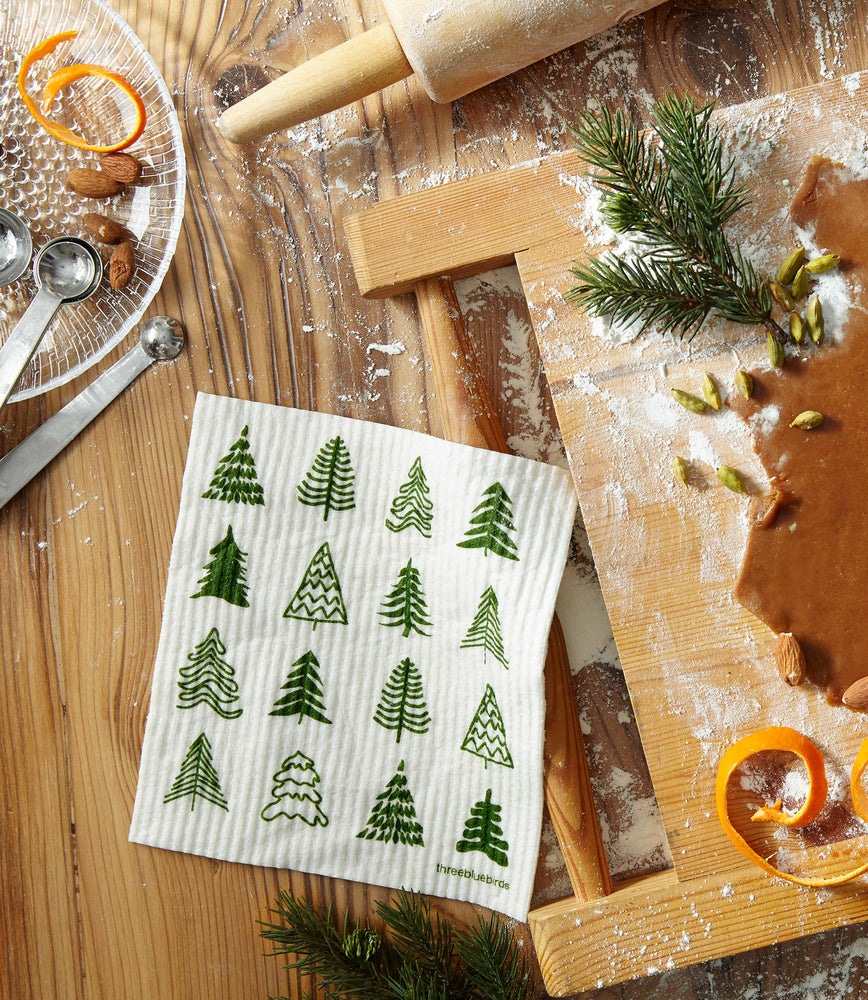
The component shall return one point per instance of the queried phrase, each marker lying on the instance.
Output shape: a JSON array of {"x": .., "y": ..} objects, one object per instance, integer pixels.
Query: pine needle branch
[{"x": 494, "y": 965}]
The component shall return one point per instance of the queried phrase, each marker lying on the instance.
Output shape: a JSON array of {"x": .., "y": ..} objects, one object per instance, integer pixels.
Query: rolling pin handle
[{"x": 347, "y": 73}]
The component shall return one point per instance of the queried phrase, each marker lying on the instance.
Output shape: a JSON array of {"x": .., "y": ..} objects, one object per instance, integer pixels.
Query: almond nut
[
  {"x": 790, "y": 660},
  {"x": 856, "y": 696},
  {"x": 122, "y": 265},
  {"x": 92, "y": 183},
  {"x": 121, "y": 167},
  {"x": 104, "y": 229}
]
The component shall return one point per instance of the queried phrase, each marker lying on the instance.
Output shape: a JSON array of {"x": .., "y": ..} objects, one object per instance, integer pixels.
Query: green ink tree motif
[
  {"x": 235, "y": 477},
  {"x": 483, "y": 832},
  {"x": 294, "y": 793},
  {"x": 485, "y": 630},
  {"x": 412, "y": 507},
  {"x": 405, "y": 606},
  {"x": 491, "y": 526},
  {"x": 402, "y": 703},
  {"x": 393, "y": 818},
  {"x": 208, "y": 679},
  {"x": 329, "y": 484},
  {"x": 304, "y": 689},
  {"x": 319, "y": 597},
  {"x": 486, "y": 735},
  {"x": 225, "y": 575},
  {"x": 198, "y": 777}
]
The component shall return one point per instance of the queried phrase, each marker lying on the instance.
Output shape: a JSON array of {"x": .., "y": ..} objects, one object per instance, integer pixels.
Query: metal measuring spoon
[
  {"x": 16, "y": 247},
  {"x": 161, "y": 339},
  {"x": 66, "y": 269}
]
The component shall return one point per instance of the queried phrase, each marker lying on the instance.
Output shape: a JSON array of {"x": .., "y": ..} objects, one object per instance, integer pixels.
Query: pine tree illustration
[
  {"x": 486, "y": 735},
  {"x": 319, "y": 598},
  {"x": 402, "y": 703},
  {"x": 482, "y": 832},
  {"x": 294, "y": 793},
  {"x": 405, "y": 607},
  {"x": 329, "y": 484},
  {"x": 485, "y": 629},
  {"x": 208, "y": 679},
  {"x": 197, "y": 777},
  {"x": 489, "y": 529},
  {"x": 235, "y": 477},
  {"x": 412, "y": 507},
  {"x": 393, "y": 817},
  {"x": 224, "y": 575},
  {"x": 305, "y": 691}
]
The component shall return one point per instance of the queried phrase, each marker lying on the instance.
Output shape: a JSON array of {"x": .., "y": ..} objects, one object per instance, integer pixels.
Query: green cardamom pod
[
  {"x": 776, "y": 351},
  {"x": 681, "y": 470},
  {"x": 710, "y": 391},
  {"x": 819, "y": 265},
  {"x": 782, "y": 296},
  {"x": 689, "y": 401},
  {"x": 797, "y": 327},
  {"x": 799, "y": 287},
  {"x": 731, "y": 480},
  {"x": 787, "y": 270},
  {"x": 744, "y": 383},
  {"x": 814, "y": 319},
  {"x": 807, "y": 420}
]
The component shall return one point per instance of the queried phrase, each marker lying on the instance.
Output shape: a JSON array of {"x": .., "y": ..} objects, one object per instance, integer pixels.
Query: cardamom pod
[
  {"x": 807, "y": 420},
  {"x": 814, "y": 319},
  {"x": 710, "y": 391},
  {"x": 744, "y": 383},
  {"x": 731, "y": 480},
  {"x": 787, "y": 270},
  {"x": 819, "y": 265},
  {"x": 776, "y": 351},
  {"x": 782, "y": 296},
  {"x": 797, "y": 327},
  {"x": 799, "y": 287},
  {"x": 689, "y": 401},
  {"x": 681, "y": 470}
]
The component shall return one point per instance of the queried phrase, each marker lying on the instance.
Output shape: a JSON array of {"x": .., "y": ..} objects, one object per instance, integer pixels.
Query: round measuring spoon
[
  {"x": 66, "y": 269},
  {"x": 16, "y": 247}
]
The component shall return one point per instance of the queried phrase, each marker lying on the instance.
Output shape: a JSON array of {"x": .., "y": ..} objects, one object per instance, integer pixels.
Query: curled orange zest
[
  {"x": 62, "y": 78},
  {"x": 784, "y": 738},
  {"x": 860, "y": 799}
]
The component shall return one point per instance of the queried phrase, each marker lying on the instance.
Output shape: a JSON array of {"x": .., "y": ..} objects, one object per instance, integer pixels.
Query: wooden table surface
[{"x": 264, "y": 286}]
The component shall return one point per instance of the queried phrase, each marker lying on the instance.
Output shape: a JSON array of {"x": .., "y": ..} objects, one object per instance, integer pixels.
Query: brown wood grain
[{"x": 263, "y": 283}]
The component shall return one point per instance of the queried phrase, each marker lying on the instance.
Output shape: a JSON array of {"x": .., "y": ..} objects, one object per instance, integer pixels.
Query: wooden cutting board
[{"x": 699, "y": 668}]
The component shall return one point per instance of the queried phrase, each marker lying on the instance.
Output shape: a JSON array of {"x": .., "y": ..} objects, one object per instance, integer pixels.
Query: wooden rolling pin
[{"x": 453, "y": 46}]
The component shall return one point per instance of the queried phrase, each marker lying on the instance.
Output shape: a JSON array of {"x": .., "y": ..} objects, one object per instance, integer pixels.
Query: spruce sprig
[
  {"x": 420, "y": 956},
  {"x": 673, "y": 195}
]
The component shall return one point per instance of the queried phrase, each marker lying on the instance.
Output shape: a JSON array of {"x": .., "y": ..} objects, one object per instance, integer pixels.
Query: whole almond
[
  {"x": 122, "y": 265},
  {"x": 856, "y": 696},
  {"x": 789, "y": 659},
  {"x": 121, "y": 167},
  {"x": 92, "y": 183},
  {"x": 105, "y": 230}
]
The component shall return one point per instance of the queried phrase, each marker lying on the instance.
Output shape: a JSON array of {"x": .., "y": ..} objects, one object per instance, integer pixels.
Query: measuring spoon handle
[
  {"x": 51, "y": 437},
  {"x": 21, "y": 344}
]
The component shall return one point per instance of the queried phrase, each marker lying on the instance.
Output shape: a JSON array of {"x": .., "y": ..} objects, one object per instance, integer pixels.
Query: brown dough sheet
[{"x": 807, "y": 572}]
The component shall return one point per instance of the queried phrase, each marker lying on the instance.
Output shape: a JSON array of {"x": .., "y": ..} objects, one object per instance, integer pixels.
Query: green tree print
[
  {"x": 405, "y": 606},
  {"x": 329, "y": 484},
  {"x": 319, "y": 598},
  {"x": 482, "y": 832},
  {"x": 304, "y": 689},
  {"x": 294, "y": 793},
  {"x": 393, "y": 818},
  {"x": 486, "y": 735},
  {"x": 224, "y": 575},
  {"x": 207, "y": 679},
  {"x": 235, "y": 477},
  {"x": 412, "y": 507},
  {"x": 198, "y": 777},
  {"x": 485, "y": 631},
  {"x": 492, "y": 524},
  {"x": 402, "y": 704}
]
